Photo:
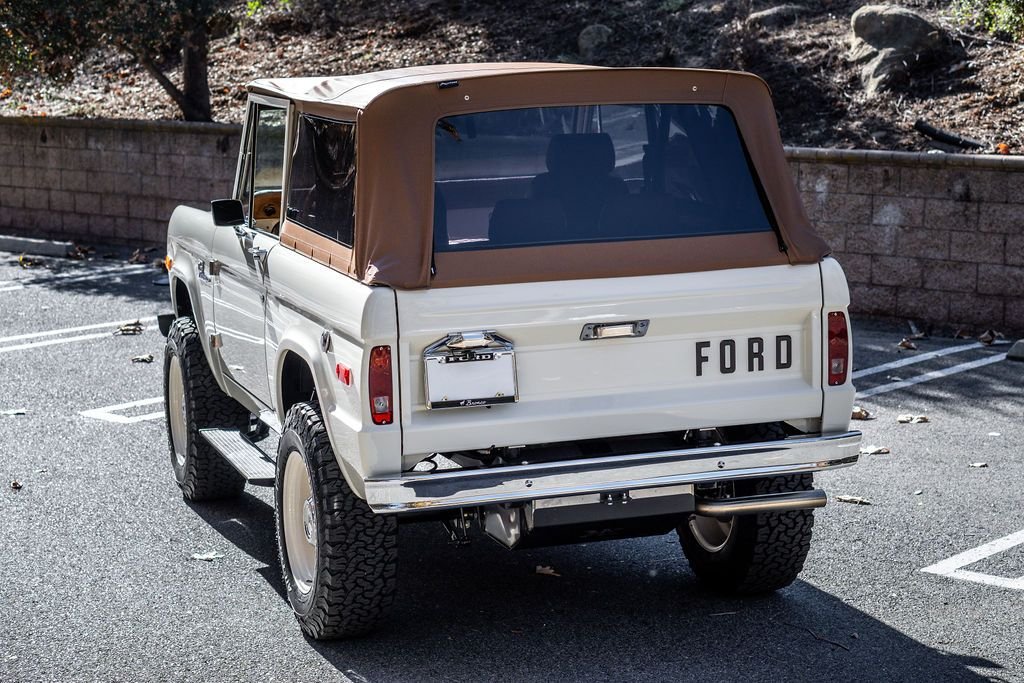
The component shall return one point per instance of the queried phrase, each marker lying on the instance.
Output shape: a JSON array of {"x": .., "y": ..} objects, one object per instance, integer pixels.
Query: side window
[
  {"x": 260, "y": 190},
  {"x": 322, "y": 191}
]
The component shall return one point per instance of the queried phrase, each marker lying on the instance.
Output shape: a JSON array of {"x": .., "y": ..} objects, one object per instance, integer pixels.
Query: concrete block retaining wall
[
  {"x": 938, "y": 238},
  {"x": 930, "y": 237},
  {"x": 108, "y": 181}
]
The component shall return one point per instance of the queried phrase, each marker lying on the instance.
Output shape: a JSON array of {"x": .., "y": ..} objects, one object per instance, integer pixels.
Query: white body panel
[
  {"x": 302, "y": 299},
  {"x": 239, "y": 294},
  {"x": 306, "y": 298},
  {"x": 838, "y": 401},
  {"x": 190, "y": 243},
  {"x": 571, "y": 389}
]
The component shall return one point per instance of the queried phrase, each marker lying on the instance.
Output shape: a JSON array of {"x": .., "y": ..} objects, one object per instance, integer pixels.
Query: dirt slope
[{"x": 817, "y": 91}]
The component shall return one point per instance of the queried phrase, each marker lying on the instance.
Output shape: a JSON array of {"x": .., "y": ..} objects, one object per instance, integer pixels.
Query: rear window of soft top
[{"x": 596, "y": 173}]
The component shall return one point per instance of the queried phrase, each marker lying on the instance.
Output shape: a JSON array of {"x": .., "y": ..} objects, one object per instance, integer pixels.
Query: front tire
[
  {"x": 751, "y": 554},
  {"x": 338, "y": 558},
  {"x": 193, "y": 401}
]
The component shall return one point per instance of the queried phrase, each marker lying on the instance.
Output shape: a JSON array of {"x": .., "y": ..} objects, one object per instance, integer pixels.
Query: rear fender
[{"x": 344, "y": 442}]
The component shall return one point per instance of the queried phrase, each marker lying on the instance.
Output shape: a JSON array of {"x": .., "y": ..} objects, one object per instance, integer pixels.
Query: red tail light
[
  {"x": 838, "y": 348},
  {"x": 381, "y": 398}
]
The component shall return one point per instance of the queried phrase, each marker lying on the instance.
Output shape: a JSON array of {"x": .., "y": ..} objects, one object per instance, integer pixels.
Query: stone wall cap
[
  {"x": 894, "y": 158},
  {"x": 160, "y": 126}
]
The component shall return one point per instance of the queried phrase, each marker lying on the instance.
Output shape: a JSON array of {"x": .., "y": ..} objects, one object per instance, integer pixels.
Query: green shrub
[{"x": 1000, "y": 17}]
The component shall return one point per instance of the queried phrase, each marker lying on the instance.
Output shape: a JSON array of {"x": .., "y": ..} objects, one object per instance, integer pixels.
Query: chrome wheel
[
  {"x": 300, "y": 524},
  {"x": 176, "y": 411},
  {"x": 711, "y": 533}
]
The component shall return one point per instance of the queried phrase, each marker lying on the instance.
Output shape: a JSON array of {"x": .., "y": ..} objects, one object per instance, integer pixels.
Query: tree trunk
[{"x": 195, "y": 74}]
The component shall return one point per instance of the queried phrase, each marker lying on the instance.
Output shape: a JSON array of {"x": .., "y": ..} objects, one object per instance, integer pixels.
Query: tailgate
[{"x": 720, "y": 348}]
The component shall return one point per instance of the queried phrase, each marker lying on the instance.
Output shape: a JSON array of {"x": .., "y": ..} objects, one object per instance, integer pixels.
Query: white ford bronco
[{"x": 544, "y": 303}]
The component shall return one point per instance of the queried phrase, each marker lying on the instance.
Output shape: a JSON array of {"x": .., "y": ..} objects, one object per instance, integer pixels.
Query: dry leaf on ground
[
  {"x": 130, "y": 328},
  {"x": 546, "y": 571},
  {"x": 79, "y": 252},
  {"x": 146, "y": 358},
  {"x": 907, "y": 344},
  {"x": 915, "y": 333},
  {"x": 207, "y": 557},
  {"x": 874, "y": 450},
  {"x": 912, "y": 419},
  {"x": 138, "y": 256},
  {"x": 989, "y": 337},
  {"x": 28, "y": 261},
  {"x": 861, "y": 414},
  {"x": 853, "y": 500}
]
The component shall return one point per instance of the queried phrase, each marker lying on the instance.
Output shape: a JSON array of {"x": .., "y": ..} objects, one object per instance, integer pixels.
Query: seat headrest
[{"x": 583, "y": 153}]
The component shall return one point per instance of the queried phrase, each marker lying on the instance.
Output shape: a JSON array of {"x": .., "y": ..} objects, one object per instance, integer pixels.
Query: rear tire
[
  {"x": 193, "y": 401},
  {"x": 338, "y": 558},
  {"x": 751, "y": 554}
]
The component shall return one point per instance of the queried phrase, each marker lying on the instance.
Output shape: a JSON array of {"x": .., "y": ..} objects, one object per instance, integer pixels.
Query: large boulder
[{"x": 893, "y": 43}]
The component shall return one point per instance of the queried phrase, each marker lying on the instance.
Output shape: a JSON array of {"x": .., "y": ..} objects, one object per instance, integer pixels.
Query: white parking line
[
  {"x": 110, "y": 413},
  {"x": 110, "y": 327},
  {"x": 929, "y": 376},
  {"x": 919, "y": 358},
  {"x": 953, "y": 567},
  {"x": 82, "y": 328}
]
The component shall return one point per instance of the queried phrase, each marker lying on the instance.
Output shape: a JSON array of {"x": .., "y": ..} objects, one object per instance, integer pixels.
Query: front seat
[{"x": 580, "y": 178}]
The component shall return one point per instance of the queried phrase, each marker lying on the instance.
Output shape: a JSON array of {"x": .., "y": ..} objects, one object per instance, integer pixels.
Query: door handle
[
  {"x": 631, "y": 328},
  {"x": 258, "y": 254}
]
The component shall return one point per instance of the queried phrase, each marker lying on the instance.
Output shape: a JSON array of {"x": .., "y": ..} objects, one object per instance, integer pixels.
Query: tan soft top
[
  {"x": 396, "y": 112},
  {"x": 356, "y": 91}
]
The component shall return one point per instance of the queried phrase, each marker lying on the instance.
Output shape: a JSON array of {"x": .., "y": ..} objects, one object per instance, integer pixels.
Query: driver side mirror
[{"x": 227, "y": 212}]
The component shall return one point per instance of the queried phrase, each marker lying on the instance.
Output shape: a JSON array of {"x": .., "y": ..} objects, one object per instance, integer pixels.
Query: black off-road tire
[
  {"x": 764, "y": 552},
  {"x": 765, "y": 431},
  {"x": 203, "y": 475},
  {"x": 356, "y": 551}
]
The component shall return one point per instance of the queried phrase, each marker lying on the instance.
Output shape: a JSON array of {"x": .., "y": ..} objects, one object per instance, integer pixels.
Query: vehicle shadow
[
  {"x": 247, "y": 523},
  {"x": 626, "y": 610},
  {"x": 622, "y": 610},
  {"x": 95, "y": 277}
]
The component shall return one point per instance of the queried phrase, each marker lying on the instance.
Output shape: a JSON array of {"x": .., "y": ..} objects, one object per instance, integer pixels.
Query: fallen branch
[
  {"x": 945, "y": 136},
  {"x": 817, "y": 637}
]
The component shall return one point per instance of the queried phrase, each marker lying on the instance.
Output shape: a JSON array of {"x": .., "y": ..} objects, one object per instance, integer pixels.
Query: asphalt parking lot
[{"x": 98, "y": 582}]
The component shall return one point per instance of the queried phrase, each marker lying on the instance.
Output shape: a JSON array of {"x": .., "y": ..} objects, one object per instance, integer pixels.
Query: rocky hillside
[{"x": 830, "y": 89}]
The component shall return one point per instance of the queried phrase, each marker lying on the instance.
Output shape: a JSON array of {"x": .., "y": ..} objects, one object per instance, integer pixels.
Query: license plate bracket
[{"x": 470, "y": 369}]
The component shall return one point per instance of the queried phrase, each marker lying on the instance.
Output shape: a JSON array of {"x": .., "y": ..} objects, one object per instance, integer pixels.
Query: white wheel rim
[
  {"x": 176, "y": 410},
  {"x": 711, "y": 533},
  {"x": 300, "y": 522}
]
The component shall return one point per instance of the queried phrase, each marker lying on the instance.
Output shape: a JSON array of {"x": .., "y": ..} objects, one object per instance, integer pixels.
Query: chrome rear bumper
[{"x": 447, "y": 489}]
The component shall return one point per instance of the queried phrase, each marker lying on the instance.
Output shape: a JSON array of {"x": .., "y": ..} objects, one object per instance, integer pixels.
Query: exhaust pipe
[{"x": 772, "y": 502}]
